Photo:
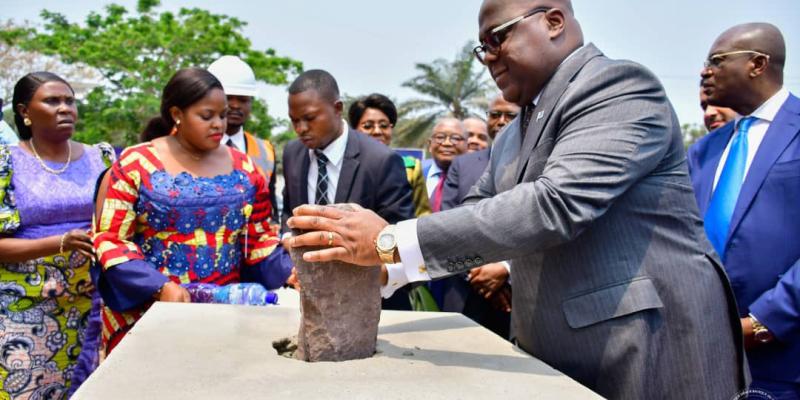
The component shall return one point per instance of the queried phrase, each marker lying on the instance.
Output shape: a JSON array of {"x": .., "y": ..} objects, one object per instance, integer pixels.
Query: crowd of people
[{"x": 569, "y": 219}]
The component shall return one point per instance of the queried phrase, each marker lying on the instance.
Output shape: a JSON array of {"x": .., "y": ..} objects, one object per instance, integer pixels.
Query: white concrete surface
[{"x": 209, "y": 351}]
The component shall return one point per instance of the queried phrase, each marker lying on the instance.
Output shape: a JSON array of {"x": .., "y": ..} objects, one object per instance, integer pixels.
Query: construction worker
[{"x": 239, "y": 83}]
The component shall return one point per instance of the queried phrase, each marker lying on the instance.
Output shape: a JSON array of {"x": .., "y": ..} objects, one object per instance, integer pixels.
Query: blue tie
[{"x": 723, "y": 200}]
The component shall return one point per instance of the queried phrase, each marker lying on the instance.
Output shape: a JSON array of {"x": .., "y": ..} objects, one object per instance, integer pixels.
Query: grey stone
[{"x": 341, "y": 308}]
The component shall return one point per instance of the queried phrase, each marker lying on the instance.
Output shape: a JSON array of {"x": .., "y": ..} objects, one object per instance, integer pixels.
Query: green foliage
[
  {"x": 456, "y": 88},
  {"x": 691, "y": 133},
  {"x": 137, "y": 54}
]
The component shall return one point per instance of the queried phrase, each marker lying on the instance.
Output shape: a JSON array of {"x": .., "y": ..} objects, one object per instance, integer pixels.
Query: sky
[{"x": 372, "y": 46}]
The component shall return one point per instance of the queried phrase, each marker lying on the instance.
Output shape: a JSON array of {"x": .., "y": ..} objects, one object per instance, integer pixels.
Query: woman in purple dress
[{"x": 46, "y": 188}]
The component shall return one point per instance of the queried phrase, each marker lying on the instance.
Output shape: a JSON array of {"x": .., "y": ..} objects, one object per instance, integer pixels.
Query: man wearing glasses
[
  {"x": 746, "y": 177},
  {"x": 587, "y": 195},
  {"x": 447, "y": 141}
]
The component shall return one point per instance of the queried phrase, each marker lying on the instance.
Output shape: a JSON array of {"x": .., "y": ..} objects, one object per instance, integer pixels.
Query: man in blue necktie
[{"x": 746, "y": 177}]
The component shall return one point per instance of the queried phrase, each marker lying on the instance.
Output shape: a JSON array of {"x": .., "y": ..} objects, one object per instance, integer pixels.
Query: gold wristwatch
[
  {"x": 760, "y": 332},
  {"x": 386, "y": 244}
]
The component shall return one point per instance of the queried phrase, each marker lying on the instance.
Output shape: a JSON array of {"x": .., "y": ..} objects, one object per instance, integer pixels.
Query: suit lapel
[
  {"x": 305, "y": 161},
  {"x": 780, "y": 133},
  {"x": 716, "y": 146},
  {"x": 350, "y": 165},
  {"x": 548, "y": 99}
]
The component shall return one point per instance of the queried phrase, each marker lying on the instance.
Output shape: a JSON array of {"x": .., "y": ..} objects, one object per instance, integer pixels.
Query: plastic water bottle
[{"x": 252, "y": 294}]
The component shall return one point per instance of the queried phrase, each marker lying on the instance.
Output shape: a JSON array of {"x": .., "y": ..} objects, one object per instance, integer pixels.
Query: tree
[
  {"x": 16, "y": 62},
  {"x": 454, "y": 88},
  {"x": 691, "y": 133},
  {"x": 137, "y": 54}
]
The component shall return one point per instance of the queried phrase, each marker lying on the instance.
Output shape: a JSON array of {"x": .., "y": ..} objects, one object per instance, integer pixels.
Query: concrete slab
[{"x": 211, "y": 351}]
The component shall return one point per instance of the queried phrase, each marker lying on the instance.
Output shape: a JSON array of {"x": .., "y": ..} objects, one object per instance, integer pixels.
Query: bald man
[
  {"x": 447, "y": 141},
  {"x": 477, "y": 134},
  {"x": 587, "y": 195},
  {"x": 746, "y": 177}
]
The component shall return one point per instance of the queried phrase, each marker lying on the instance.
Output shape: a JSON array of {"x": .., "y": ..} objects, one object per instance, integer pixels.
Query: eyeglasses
[
  {"x": 499, "y": 114},
  {"x": 440, "y": 138},
  {"x": 498, "y": 35},
  {"x": 383, "y": 126},
  {"x": 715, "y": 60}
]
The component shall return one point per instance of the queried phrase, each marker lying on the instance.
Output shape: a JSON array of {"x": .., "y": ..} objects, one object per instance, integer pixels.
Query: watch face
[{"x": 386, "y": 241}]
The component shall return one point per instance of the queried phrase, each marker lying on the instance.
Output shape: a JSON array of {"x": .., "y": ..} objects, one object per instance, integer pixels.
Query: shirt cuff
[
  {"x": 410, "y": 252},
  {"x": 507, "y": 266},
  {"x": 397, "y": 279}
]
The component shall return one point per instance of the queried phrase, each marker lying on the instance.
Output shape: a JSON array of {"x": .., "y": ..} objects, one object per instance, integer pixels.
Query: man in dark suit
[
  {"x": 485, "y": 295},
  {"x": 587, "y": 195},
  {"x": 330, "y": 163},
  {"x": 746, "y": 177}
]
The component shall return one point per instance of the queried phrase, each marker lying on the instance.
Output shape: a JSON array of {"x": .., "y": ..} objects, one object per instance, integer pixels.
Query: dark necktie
[
  {"x": 526, "y": 118},
  {"x": 231, "y": 144},
  {"x": 322, "y": 178}
]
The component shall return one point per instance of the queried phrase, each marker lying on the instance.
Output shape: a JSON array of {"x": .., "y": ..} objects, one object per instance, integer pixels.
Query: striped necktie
[
  {"x": 322, "y": 178},
  {"x": 723, "y": 200}
]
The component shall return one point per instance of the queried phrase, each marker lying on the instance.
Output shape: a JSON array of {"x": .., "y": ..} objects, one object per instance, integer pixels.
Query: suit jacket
[
  {"x": 372, "y": 176},
  {"x": 762, "y": 252},
  {"x": 615, "y": 283},
  {"x": 464, "y": 172}
]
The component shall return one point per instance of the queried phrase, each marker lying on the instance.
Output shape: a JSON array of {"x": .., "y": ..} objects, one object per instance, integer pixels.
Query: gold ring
[{"x": 330, "y": 239}]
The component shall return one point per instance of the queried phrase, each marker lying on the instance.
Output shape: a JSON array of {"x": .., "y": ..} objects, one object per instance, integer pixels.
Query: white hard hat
[{"x": 236, "y": 76}]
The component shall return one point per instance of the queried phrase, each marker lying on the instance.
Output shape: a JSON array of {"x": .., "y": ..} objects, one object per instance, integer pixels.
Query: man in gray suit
[{"x": 587, "y": 194}]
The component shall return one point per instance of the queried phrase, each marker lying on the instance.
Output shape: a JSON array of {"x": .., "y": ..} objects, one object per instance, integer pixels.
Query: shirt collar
[
  {"x": 434, "y": 170},
  {"x": 238, "y": 135},
  {"x": 536, "y": 99},
  {"x": 769, "y": 109},
  {"x": 335, "y": 149}
]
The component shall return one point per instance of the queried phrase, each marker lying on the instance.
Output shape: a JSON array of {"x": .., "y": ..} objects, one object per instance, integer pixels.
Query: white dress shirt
[
  {"x": 335, "y": 153},
  {"x": 764, "y": 115},
  {"x": 238, "y": 140},
  {"x": 433, "y": 178}
]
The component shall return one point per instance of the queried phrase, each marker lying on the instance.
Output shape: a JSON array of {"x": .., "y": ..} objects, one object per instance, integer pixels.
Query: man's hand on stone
[
  {"x": 348, "y": 235},
  {"x": 488, "y": 279}
]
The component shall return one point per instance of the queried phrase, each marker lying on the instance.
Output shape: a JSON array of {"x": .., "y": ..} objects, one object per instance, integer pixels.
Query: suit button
[
  {"x": 460, "y": 265},
  {"x": 479, "y": 260},
  {"x": 469, "y": 263}
]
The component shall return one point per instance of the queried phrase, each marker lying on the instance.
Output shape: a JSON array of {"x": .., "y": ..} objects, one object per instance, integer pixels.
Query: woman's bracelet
[{"x": 61, "y": 247}]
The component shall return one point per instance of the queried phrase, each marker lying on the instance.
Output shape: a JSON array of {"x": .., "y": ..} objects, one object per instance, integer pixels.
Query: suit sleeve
[
  {"x": 273, "y": 198},
  {"x": 779, "y": 308},
  {"x": 613, "y": 129},
  {"x": 393, "y": 200},
  {"x": 450, "y": 191}
]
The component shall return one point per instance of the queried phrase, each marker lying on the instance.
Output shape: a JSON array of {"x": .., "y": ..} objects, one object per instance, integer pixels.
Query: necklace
[
  {"x": 45, "y": 167},
  {"x": 188, "y": 152}
]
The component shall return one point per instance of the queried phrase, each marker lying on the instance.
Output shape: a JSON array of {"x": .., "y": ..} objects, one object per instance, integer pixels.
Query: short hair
[
  {"x": 317, "y": 80},
  {"x": 24, "y": 90},
  {"x": 376, "y": 101}
]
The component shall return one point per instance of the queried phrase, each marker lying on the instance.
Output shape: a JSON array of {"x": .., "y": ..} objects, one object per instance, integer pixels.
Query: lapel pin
[{"x": 540, "y": 115}]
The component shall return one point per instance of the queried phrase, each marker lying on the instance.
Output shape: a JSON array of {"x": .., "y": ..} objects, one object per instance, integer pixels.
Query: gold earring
[{"x": 27, "y": 121}]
